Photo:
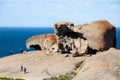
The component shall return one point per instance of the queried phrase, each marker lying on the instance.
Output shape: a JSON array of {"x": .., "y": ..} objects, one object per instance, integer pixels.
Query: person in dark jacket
[
  {"x": 21, "y": 68},
  {"x": 11, "y": 52},
  {"x": 21, "y": 50},
  {"x": 25, "y": 70}
]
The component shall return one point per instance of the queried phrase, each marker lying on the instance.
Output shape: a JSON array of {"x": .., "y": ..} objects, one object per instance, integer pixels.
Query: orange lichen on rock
[{"x": 44, "y": 41}]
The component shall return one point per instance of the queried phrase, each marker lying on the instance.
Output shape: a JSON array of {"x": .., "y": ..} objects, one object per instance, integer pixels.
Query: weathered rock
[
  {"x": 86, "y": 38},
  {"x": 99, "y": 34},
  {"x": 80, "y": 39},
  {"x": 54, "y": 48},
  {"x": 102, "y": 66},
  {"x": 68, "y": 40},
  {"x": 61, "y": 28},
  {"x": 38, "y": 65},
  {"x": 43, "y": 42}
]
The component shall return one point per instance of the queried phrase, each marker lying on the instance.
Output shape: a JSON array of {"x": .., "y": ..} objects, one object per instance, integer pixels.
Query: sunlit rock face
[
  {"x": 99, "y": 34},
  {"x": 68, "y": 40},
  {"x": 85, "y": 38},
  {"x": 102, "y": 66},
  {"x": 41, "y": 42},
  {"x": 62, "y": 28},
  {"x": 78, "y": 40}
]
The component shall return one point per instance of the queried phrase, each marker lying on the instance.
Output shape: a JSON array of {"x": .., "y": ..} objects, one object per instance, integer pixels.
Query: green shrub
[
  {"x": 67, "y": 76},
  {"x": 52, "y": 78},
  {"x": 19, "y": 79},
  {"x": 5, "y": 78},
  {"x": 78, "y": 64},
  {"x": 63, "y": 77}
]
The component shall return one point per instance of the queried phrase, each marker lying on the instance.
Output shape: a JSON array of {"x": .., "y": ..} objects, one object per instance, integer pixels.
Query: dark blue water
[
  {"x": 118, "y": 38},
  {"x": 14, "y": 38}
]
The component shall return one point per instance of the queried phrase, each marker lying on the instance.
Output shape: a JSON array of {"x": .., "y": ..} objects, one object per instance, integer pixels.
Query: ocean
[
  {"x": 118, "y": 38},
  {"x": 15, "y": 38}
]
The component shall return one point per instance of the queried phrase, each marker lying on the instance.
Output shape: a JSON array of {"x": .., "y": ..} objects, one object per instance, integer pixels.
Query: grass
[
  {"x": 5, "y": 78},
  {"x": 67, "y": 76},
  {"x": 78, "y": 64}
]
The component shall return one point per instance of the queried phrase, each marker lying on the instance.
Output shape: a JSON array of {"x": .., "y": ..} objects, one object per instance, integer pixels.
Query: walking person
[
  {"x": 21, "y": 68},
  {"x": 25, "y": 70},
  {"x": 11, "y": 52},
  {"x": 21, "y": 50}
]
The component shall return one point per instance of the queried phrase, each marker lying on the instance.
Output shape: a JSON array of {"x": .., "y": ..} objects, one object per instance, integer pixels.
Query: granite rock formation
[
  {"x": 68, "y": 40},
  {"x": 99, "y": 34},
  {"x": 38, "y": 65},
  {"x": 78, "y": 40},
  {"x": 86, "y": 38},
  {"x": 102, "y": 66},
  {"x": 61, "y": 28},
  {"x": 41, "y": 42}
]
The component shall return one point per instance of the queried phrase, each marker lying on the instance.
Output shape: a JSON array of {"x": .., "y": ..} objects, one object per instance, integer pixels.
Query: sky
[{"x": 44, "y": 13}]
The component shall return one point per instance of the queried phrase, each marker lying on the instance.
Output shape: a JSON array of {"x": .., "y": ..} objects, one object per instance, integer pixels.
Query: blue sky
[{"x": 44, "y": 13}]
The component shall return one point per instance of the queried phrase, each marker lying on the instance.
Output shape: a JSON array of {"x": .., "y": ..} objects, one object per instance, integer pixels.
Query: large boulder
[
  {"x": 102, "y": 66},
  {"x": 80, "y": 39},
  {"x": 43, "y": 42},
  {"x": 99, "y": 34},
  {"x": 68, "y": 40},
  {"x": 61, "y": 28},
  {"x": 85, "y": 38}
]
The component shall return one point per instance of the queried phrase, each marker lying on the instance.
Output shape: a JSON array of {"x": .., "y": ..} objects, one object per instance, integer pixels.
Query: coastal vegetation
[
  {"x": 6, "y": 78},
  {"x": 67, "y": 76}
]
